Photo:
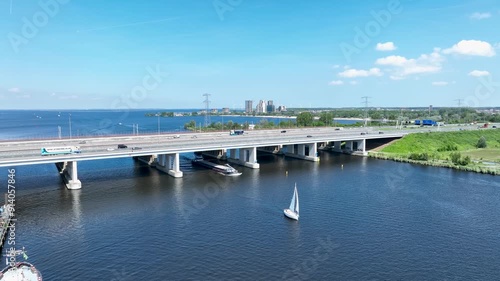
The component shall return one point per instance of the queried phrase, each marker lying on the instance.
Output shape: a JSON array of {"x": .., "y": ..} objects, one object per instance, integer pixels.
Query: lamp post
[{"x": 70, "y": 136}]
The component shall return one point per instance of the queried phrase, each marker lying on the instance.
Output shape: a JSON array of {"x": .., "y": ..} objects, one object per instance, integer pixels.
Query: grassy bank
[{"x": 456, "y": 150}]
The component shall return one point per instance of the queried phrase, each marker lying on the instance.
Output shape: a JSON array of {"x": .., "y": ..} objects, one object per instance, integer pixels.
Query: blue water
[
  {"x": 370, "y": 220},
  {"x": 35, "y": 124}
]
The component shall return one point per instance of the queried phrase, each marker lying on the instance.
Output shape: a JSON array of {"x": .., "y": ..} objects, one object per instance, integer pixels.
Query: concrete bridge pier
[
  {"x": 169, "y": 163},
  {"x": 69, "y": 173},
  {"x": 360, "y": 147},
  {"x": 348, "y": 148},
  {"x": 245, "y": 157},
  {"x": 276, "y": 149},
  {"x": 308, "y": 151},
  {"x": 337, "y": 146},
  {"x": 149, "y": 159},
  {"x": 216, "y": 154}
]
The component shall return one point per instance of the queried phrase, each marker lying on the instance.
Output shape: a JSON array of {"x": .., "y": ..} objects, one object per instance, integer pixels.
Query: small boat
[
  {"x": 293, "y": 211},
  {"x": 228, "y": 171},
  {"x": 20, "y": 270}
]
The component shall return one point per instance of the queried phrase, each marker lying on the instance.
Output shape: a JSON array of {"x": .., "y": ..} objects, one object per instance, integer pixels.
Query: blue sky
[{"x": 119, "y": 54}]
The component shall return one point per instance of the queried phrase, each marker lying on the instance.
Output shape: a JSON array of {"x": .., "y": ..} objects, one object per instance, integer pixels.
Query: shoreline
[{"x": 436, "y": 163}]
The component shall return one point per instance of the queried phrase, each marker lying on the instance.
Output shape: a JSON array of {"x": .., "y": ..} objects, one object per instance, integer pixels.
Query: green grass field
[
  {"x": 486, "y": 154},
  {"x": 437, "y": 146},
  {"x": 431, "y": 142}
]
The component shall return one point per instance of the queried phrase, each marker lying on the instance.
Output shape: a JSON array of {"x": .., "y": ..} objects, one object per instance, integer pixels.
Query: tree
[
  {"x": 191, "y": 125},
  {"x": 481, "y": 143},
  {"x": 305, "y": 119},
  {"x": 326, "y": 117}
]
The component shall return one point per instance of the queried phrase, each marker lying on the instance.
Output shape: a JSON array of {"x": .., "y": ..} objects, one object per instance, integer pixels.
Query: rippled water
[{"x": 371, "y": 220}]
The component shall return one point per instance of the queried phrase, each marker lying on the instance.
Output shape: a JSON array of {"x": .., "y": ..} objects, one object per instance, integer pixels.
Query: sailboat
[{"x": 293, "y": 211}]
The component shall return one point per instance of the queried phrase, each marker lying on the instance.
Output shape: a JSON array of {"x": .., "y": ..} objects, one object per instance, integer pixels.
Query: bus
[{"x": 60, "y": 150}]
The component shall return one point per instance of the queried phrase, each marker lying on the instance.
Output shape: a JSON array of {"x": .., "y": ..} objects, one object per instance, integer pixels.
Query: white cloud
[
  {"x": 472, "y": 48},
  {"x": 353, "y": 82},
  {"x": 53, "y": 94},
  {"x": 14, "y": 90},
  {"x": 70, "y": 97},
  {"x": 352, "y": 73},
  {"x": 440, "y": 83},
  {"x": 387, "y": 46},
  {"x": 336, "y": 83},
  {"x": 396, "y": 77},
  {"x": 478, "y": 73},
  {"x": 426, "y": 63},
  {"x": 347, "y": 66},
  {"x": 480, "y": 16},
  {"x": 392, "y": 60}
]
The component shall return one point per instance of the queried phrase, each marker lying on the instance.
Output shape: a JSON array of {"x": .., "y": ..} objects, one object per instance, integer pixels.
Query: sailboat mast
[{"x": 296, "y": 195}]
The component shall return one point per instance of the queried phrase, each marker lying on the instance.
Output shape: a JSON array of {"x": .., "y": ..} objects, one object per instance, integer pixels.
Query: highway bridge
[{"x": 162, "y": 151}]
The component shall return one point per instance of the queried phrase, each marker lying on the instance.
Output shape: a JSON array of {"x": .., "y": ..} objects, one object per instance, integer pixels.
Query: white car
[{"x": 110, "y": 149}]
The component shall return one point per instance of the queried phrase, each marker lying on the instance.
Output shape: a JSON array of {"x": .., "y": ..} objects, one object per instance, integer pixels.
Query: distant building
[
  {"x": 270, "y": 106},
  {"x": 248, "y": 106},
  {"x": 261, "y": 107},
  {"x": 225, "y": 110},
  {"x": 281, "y": 108},
  {"x": 214, "y": 111}
]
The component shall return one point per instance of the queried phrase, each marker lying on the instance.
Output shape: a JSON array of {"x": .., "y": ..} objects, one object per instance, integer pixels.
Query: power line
[
  {"x": 366, "y": 108},
  {"x": 207, "y": 109}
]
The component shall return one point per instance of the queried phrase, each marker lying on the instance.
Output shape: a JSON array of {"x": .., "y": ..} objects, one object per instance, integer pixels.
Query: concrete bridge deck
[{"x": 163, "y": 151}]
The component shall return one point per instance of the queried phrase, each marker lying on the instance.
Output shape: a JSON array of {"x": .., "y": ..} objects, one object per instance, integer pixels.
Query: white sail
[
  {"x": 292, "y": 203},
  {"x": 296, "y": 195}
]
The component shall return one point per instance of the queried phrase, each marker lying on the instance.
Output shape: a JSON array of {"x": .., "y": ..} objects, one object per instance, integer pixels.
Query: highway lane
[{"x": 100, "y": 146}]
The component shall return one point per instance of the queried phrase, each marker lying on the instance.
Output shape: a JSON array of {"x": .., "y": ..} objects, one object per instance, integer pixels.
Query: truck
[
  {"x": 428, "y": 122},
  {"x": 60, "y": 150},
  {"x": 236, "y": 132}
]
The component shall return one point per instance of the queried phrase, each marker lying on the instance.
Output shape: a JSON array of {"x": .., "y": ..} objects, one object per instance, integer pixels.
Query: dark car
[
  {"x": 309, "y": 136},
  {"x": 122, "y": 146},
  {"x": 363, "y": 133},
  {"x": 380, "y": 132},
  {"x": 284, "y": 131},
  {"x": 136, "y": 148}
]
